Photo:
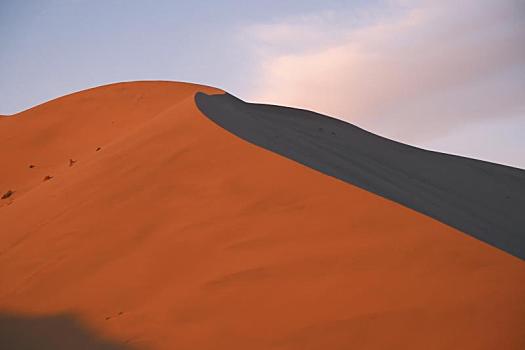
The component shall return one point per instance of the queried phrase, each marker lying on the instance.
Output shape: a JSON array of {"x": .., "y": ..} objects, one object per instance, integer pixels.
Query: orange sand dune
[{"x": 175, "y": 234}]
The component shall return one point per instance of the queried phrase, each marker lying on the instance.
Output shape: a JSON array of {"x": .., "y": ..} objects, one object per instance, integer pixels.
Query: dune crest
[{"x": 482, "y": 199}]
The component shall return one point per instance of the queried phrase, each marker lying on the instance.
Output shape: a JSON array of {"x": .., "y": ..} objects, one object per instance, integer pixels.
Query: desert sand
[{"x": 169, "y": 232}]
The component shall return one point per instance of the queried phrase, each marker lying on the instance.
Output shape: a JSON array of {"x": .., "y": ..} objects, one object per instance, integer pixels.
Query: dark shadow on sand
[
  {"x": 54, "y": 332},
  {"x": 482, "y": 199}
]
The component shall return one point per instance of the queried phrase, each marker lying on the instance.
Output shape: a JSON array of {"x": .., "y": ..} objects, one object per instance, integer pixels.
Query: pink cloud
[{"x": 413, "y": 74}]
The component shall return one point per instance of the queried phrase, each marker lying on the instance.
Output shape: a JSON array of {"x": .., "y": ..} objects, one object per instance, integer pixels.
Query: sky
[{"x": 439, "y": 74}]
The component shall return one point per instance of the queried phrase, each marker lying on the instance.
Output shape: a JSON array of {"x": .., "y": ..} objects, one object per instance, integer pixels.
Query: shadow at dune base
[{"x": 62, "y": 331}]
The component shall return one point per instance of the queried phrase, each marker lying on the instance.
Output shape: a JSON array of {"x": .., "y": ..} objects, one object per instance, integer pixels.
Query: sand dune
[{"x": 169, "y": 232}]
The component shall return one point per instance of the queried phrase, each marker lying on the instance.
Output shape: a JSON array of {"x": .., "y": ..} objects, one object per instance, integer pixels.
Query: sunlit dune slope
[{"x": 158, "y": 229}]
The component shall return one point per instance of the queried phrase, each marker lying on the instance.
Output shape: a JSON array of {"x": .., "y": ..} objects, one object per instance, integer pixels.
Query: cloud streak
[{"x": 415, "y": 73}]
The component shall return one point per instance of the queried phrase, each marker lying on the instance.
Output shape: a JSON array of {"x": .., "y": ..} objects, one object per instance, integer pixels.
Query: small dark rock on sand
[
  {"x": 7, "y": 194},
  {"x": 48, "y": 178}
]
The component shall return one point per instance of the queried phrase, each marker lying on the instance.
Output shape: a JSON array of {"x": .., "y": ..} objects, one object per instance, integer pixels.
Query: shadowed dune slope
[
  {"x": 158, "y": 229},
  {"x": 482, "y": 199}
]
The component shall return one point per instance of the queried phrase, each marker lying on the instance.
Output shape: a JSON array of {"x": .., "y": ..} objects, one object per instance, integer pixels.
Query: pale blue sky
[
  {"x": 439, "y": 74},
  {"x": 49, "y": 48}
]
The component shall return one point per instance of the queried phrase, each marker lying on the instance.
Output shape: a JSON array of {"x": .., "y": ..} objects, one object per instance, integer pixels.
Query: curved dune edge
[
  {"x": 482, "y": 199},
  {"x": 176, "y": 234}
]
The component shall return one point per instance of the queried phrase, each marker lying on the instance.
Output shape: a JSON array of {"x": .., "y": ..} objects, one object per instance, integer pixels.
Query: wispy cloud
[{"x": 414, "y": 72}]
